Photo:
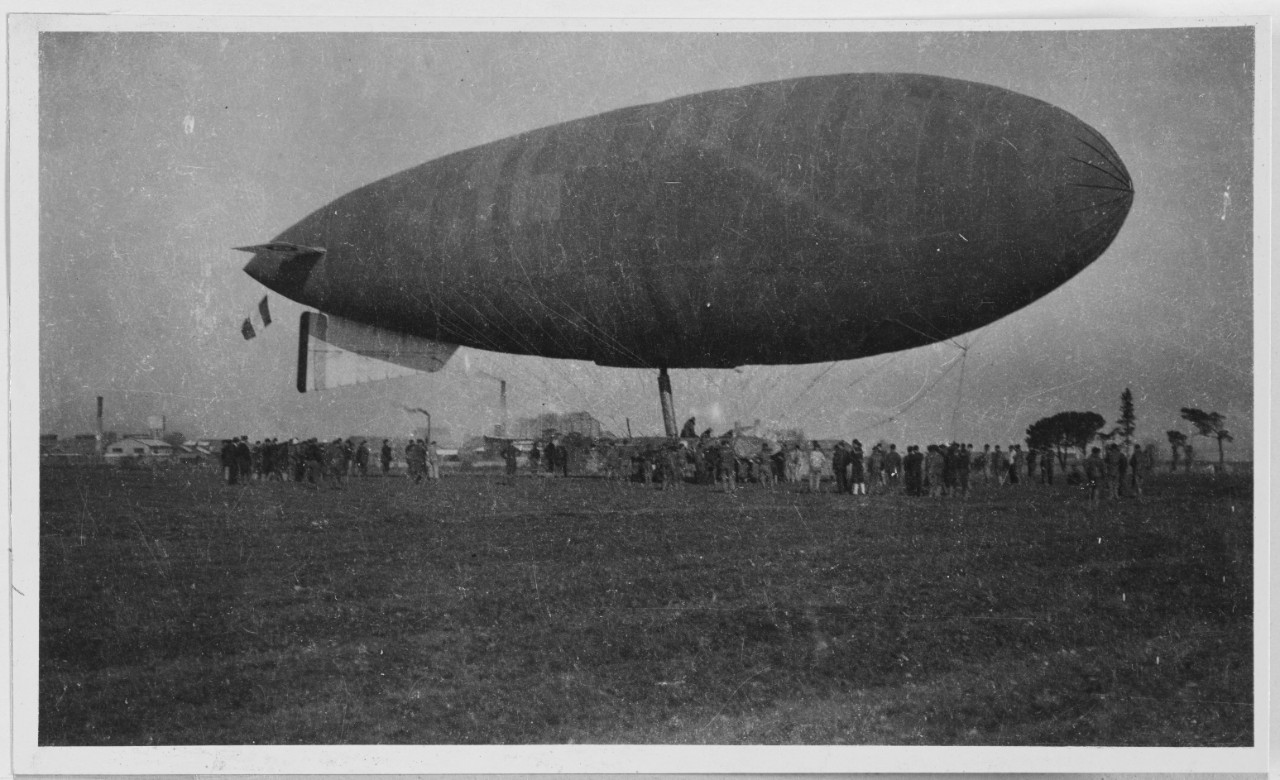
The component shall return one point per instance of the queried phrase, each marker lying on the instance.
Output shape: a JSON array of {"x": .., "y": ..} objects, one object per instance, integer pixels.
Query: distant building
[
  {"x": 440, "y": 434},
  {"x": 138, "y": 447},
  {"x": 539, "y": 427}
]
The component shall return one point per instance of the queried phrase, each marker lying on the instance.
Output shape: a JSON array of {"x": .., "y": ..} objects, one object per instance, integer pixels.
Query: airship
[{"x": 808, "y": 220}]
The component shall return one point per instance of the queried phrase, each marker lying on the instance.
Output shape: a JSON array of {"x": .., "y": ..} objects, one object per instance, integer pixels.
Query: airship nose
[
  {"x": 283, "y": 267},
  {"x": 1100, "y": 194}
]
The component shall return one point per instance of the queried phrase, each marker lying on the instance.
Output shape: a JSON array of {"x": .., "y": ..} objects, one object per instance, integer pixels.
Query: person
[
  {"x": 1137, "y": 474},
  {"x": 875, "y": 466},
  {"x": 893, "y": 467},
  {"x": 562, "y": 459},
  {"x": 299, "y": 461},
  {"x": 230, "y": 462},
  {"x": 313, "y": 462},
  {"x": 1017, "y": 463},
  {"x": 766, "y": 470},
  {"x": 913, "y": 468},
  {"x": 857, "y": 477},
  {"x": 726, "y": 468},
  {"x": 673, "y": 467},
  {"x": 433, "y": 461},
  {"x": 244, "y": 459},
  {"x": 983, "y": 463},
  {"x": 779, "y": 462},
  {"x": 1112, "y": 460},
  {"x": 509, "y": 456},
  {"x": 962, "y": 470},
  {"x": 1094, "y": 472},
  {"x": 348, "y": 456},
  {"x": 549, "y": 455},
  {"x": 699, "y": 456},
  {"x": 335, "y": 464},
  {"x": 385, "y": 456},
  {"x": 535, "y": 458},
  {"x": 817, "y": 464},
  {"x": 268, "y": 459},
  {"x": 840, "y": 467},
  {"x": 948, "y": 452},
  {"x": 933, "y": 463},
  {"x": 690, "y": 429},
  {"x": 415, "y": 455},
  {"x": 1046, "y": 467},
  {"x": 1123, "y": 476},
  {"x": 362, "y": 458},
  {"x": 793, "y": 463}
]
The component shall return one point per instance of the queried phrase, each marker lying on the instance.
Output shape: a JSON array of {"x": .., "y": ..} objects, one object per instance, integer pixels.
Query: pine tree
[{"x": 1127, "y": 419}]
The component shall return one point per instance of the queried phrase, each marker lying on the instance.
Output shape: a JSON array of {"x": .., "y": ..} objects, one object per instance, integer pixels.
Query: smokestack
[
  {"x": 98, "y": 446},
  {"x": 502, "y": 399}
]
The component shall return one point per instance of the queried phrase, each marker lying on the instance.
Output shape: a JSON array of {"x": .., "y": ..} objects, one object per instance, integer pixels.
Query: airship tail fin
[{"x": 334, "y": 352}]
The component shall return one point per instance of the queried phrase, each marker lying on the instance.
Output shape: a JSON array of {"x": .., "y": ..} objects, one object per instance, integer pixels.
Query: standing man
[
  {"x": 1137, "y": 472},
  {"x": 230, "y": 464},
  {"x": 362, "y": 458},
  {"x": 385, "y": 456},
  {"x": 1046, "y": 467},
  {"x": 244, "y": 458},
  {"x": 875, "y": 466},
  {"x": 510, "y": 454},
  {"x": 962, "y": 470},
  {"x": 933, "y": 463},
  {"x": 857, "y": 477},
  {"x": 673, "y": 467},
  {"x": 562, "y": 459},
  {"x": 913, "y": 465},
  {"x": 817, "y": 464},
  {"x": 1094, "y": 472},
  {"x": 433, "y": 461},
  {"x": 893, "y": 465},
  {"x": 336, "y": 464},
  {"x": 840, "y": 467},
  {"x": 1111, "y": 462}
]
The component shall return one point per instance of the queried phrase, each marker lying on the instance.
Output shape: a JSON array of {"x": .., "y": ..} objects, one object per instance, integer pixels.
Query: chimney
[{"x": 502, "y": 399}]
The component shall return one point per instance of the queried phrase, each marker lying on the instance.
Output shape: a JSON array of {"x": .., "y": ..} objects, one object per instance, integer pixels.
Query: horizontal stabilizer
[{"x": 335, "y": 352}]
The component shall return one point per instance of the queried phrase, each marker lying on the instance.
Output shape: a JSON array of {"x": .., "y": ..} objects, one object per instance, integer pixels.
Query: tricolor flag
[
  {"x": 264, "y": 312},
  {"x": 247, "y": 330}
]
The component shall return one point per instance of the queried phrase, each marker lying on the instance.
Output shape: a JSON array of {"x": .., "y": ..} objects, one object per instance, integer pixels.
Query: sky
[{"x": 159, "y": 152}]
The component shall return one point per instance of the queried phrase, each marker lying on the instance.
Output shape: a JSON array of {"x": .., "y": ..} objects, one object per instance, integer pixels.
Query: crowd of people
[
  {"x": 317, "y": 462},
  {"x": 937, "y": 470}
]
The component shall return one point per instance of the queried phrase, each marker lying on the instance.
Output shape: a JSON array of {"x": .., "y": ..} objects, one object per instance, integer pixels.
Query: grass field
[{"x": 176, "y": 610}]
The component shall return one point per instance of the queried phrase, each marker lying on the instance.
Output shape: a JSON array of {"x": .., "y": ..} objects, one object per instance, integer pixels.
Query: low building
[
  {"x": 551, "y": 424},
  {"x": 138, "y": 447}
]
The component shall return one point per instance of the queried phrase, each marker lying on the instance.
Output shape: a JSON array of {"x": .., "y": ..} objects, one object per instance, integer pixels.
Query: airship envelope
[{"x": 815, "y": 219}]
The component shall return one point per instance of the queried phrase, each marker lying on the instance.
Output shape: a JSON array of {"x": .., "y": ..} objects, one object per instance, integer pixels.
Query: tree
[
  {"x": 174, "y": 438},
  {"x": 1063, "y": 431},
  {"x": 1209, "y": 425},
  {"x": 1177, "y": 440},
  {"x": 1127, "y": 422}
]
